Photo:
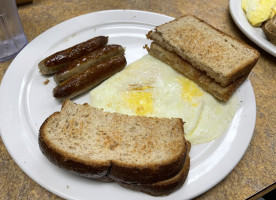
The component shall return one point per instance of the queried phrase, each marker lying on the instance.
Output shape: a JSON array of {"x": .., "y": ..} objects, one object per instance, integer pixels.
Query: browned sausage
[
  {"x": 60, "y": 59},
  {"x": 89, "y": 78},
  {"x": 88, "y": 60}
]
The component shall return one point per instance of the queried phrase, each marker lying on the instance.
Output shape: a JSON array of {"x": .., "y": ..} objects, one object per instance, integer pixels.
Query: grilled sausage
[
  {"x": 60, "y": 59},
  {"x": 89, "y": 78},
  {"x": 92, "y": 58}
]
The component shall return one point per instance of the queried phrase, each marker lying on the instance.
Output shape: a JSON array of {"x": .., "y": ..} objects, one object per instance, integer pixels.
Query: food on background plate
[
  {"x": 89, "y": 78},
  {"x": 141, "y": 153},
  {"x": 226, "y": 60},
  {"x": 261, "y": 13},
  {"x": 149, "y": 87},
  {"x": 258, "y": 11},
  {"x": 58, "y": 60},
  {"x": 269, "y": 28}
]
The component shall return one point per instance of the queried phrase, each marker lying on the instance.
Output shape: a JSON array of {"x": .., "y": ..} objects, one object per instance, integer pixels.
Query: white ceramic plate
[
  {"x": 26, "y": 102},
  {"x": 255, "y": 34}
]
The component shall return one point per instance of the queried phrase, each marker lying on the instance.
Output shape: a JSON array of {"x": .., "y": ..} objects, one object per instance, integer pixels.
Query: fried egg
[{"x": 149, "y": 87}]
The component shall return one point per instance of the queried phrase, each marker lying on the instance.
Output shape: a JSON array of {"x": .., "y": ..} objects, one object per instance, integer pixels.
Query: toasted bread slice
[
  {"x": 98, "y": 144},
  {"x": 165, "y": 187},
  {"x": 222, "y": 57},
  {"x": 198, "y": 76}
]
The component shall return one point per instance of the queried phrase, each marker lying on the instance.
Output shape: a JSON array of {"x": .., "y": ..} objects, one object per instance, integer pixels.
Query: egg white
[{"x": 150, "y": 87}]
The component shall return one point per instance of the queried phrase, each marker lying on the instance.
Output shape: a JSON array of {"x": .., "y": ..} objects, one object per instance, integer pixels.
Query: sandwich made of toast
[
  {"x": 214, "y": 60},
  {"x": 147, "y": 154}
]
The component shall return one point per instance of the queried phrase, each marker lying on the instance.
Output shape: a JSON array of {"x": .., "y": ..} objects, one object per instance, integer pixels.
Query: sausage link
[
  {"x": 55, "y": 62},
  {"x": 89, "y": 78},
  {"x": 88, "y": 60}
]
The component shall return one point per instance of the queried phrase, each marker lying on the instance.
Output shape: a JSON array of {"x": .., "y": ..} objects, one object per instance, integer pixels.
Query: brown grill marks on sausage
[
  {"x": 76, "y": 51},
  {"x": 89, "y": 78},
  {"x": 60, "y": 59},
  {"x": 92, "y": 58}
]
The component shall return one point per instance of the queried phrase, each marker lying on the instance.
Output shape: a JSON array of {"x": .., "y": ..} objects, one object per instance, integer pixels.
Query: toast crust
[
  {"x": 165, "y": 187},
  {"x": 62, "y": 160},
  {"x": 113, "y": 168},
  {"x": 185, "y": 68},
  {"x": 221, "y": 56}
]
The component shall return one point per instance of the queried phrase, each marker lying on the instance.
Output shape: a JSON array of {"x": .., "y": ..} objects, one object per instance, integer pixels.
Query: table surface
[{"x": 254, "y": 175}]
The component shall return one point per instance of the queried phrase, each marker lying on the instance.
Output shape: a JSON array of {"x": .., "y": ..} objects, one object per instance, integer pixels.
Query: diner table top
[{"x": 252, "y": 177}]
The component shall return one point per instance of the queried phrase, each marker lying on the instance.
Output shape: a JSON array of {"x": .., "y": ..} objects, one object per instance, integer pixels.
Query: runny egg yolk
[
  {"x": 190, "y": 92},
  {"x": 139, "y": 100}
]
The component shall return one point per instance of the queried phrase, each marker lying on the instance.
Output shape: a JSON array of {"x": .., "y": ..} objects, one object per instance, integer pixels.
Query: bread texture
[
  {"x": 220, "y": 56},
  {"x": 198, "y": 76},
  {"x": 131, "y": 150}
]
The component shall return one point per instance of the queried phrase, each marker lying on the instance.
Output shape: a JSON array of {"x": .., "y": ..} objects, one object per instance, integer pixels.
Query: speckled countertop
[{"x": 254, "y": 175}]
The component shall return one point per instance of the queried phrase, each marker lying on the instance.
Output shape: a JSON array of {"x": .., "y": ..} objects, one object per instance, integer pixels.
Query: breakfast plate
[
  {"x": 26, "y": 101},
  {"x": 255, "y": 34}
]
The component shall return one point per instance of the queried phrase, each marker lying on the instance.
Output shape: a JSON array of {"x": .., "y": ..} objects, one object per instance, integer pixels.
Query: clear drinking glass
[{"x": 12, "y": 36}]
